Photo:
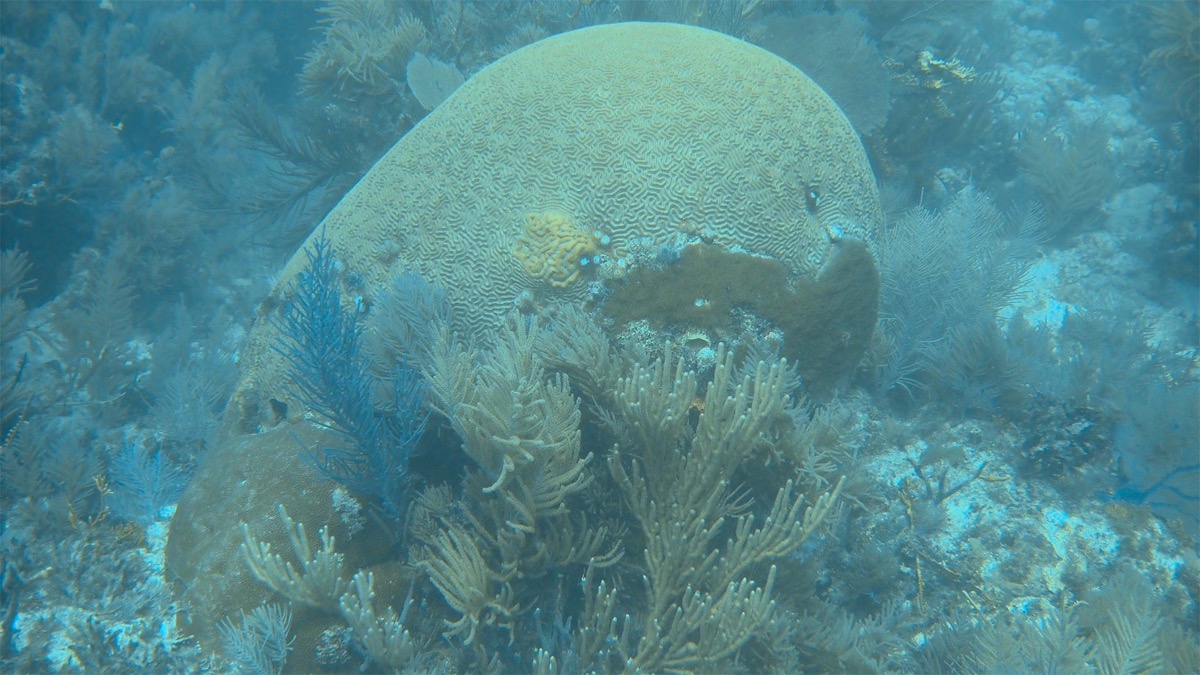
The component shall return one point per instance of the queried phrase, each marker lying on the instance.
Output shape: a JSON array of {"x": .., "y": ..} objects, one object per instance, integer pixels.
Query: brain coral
[{"x": 631, "y": 130}]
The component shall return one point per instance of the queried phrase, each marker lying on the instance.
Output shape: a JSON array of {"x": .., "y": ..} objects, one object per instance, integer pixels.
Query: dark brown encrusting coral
[{"x": 827, "y": 322}]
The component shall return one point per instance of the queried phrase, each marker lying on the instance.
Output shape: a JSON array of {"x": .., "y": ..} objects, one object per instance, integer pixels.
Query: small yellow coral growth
[
  {"x": 553, "y": 248},
  {"x": 935, "y": 75},
  {"x": 936, "y": 68}
]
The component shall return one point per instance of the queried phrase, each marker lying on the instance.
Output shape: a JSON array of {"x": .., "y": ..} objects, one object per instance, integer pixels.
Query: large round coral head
[{"x": 636, "y": 130}]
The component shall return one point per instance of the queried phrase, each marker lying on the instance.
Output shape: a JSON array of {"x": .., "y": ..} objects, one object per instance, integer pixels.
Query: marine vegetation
[
  {"x": 1072, "y": 173},
  {"x": 321, "y": 341},
  {"x": 968, "y": 260},
  {"x": 1175, "y": 26},
  {"x": 363, "y": 49},
  {"x": 678, "y": 574},
  {"x": 14, "y": 283}
]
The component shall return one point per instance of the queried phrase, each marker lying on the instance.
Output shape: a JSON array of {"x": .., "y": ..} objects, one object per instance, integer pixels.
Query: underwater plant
[
  {"x": 399, "y": 327},
  {"x": 321, "y": 341},
  {"x": 1120, "y": 628},
  {"x": 310, "y": 164},
  {"x": 1175, "y": 26},
  {"x": 189, "y": 401},
  {"x": 14, "y": 283},
  {"x": 143, "y": 482},
  {"x": 1072, "y": 173},
  {"x": 942, "y": 274}
]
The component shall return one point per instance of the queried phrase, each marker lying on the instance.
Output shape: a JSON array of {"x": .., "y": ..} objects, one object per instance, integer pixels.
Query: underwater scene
[{"x": 596, "y": 336}]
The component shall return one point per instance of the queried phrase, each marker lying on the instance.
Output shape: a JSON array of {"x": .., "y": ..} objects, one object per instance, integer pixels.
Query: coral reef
[
  {"x": 526, "y": 139},
  {"x": 1006, "y": 483}
]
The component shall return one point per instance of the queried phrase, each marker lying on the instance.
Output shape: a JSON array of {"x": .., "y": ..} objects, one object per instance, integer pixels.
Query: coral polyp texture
[{"x": 553, "y": 248}]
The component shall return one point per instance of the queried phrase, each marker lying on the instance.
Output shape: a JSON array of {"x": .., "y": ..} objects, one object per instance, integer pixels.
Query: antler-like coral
[
  {"x": 699, "y": 607},
  {"x": 457, "y": 567}
]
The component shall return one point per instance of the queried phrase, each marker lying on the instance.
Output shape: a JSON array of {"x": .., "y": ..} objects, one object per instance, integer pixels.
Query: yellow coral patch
[{"x": 553, "y": 248}]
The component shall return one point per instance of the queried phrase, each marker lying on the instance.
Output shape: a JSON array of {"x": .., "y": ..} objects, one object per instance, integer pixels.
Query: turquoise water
[{"x": 634, "y": 350}]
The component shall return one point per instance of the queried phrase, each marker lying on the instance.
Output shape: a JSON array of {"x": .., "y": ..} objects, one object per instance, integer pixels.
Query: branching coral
[
  {"x": 364, "y": 50},
  {"x": 573, "y": 343},
  {"x": 383, "y": 635},
  {"x": 553, "y": 248},
  {"x": 700, "y": 606},
  {"x": 319, "y": 582},
  {"x": 518, "y": 427},
  {"x": 527, "y": 514},
  {"x": 457, "y": 568},
  {"x": 521, "y": 427}
]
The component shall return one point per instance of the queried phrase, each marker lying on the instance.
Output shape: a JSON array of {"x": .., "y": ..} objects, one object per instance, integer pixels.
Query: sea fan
[
  {"x": 321, "y": 342},
  {"x": 143, "y": 484}
]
